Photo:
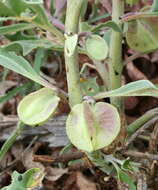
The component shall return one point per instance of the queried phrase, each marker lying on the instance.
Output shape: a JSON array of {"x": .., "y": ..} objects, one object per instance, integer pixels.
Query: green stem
[
  {"x": 141, "y": 121},
  {"x": 154, "y": 6},
  {"x": 71, "y": 61},
  {"x": 116, "y": 63},
  {"x": 101, "y": 68},
  {"x": 9, "y": 142}
]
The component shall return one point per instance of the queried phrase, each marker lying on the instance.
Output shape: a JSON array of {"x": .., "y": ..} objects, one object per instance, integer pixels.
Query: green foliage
[
  {"x": 37, "y": 107},
  {"x": 18, "y": 64},
  {"x": 5, "y": 10},
  {"x": 26, "y": 46},
  {"x": 121, "y": 169},
  {"x": 15, "y": 28},
  {"x": 142, "y": 35},
  {"x": 84, "y": 26},
  {"x": 22, "y": 6},
  {"x": 109, "y": 24},
  {"x": 124, "y": 169},
  {"x": 92, "y": 126},
  {"x": 31, "y": 12},
  {"x": 30, "y": 179},
  {"x": 96, "y": 47},
  {"x": 132, "y": 2},
  {"x": 122, "y": 176},
  {"x": 137, "y": 88}
]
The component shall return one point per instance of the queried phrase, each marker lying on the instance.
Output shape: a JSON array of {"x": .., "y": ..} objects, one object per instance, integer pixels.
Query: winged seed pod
[
  {"x": 92, "y": 126},
  {"x": 38, "y": 107},
  {"x": 96, "y": 47}
]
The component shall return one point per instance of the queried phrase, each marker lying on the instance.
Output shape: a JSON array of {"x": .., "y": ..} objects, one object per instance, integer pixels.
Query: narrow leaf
[
  {"x": 18, "y": 64},
  {"x": 110, "y": 24},
  {"x": 2, "y": 19},
  {"x": 137, "y": 88},
  {"x": 15, "y": 28},
  {"x": 26, "y": 46}
]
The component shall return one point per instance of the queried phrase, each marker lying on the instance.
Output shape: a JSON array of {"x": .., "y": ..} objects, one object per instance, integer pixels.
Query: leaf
[
  {"x": 98, "y": 18},
  {"x": 110, "y": 24},
  {"x": 31, "y": 178},
  {"x": 26, "y": 46},
  {"x": 126, "y": 165},
  {"x": 15, "y": 28},
  {"x": 137, "y": 88},
  {"x": 142, "y": 35},
  {"x": 96, "y": 47},
  {"x": 5, "y": 10},
  {"x": 18, "y": 64},
  {"x": 20, "y": 36},
  {"x": 2, "y": 19},
  {"x": 92, "y": 127},
  {"x": 126, "y": 179},
  {"x": 21, "y": 6},
  {"x": 123, "y": 177},
  {"x": 31, "y": 11},
  {"x": 132, "y": 2},
  {"x": 38, "y": 107}
]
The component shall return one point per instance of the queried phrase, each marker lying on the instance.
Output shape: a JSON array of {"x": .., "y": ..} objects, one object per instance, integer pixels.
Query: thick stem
[
  {"x": 73, "y": 15},
  {"x": 103, "y": 72},
  {"x": 116, "y": 63},
  {"x": 9, "y": 142},
  {"x": 71, "y": 54}
]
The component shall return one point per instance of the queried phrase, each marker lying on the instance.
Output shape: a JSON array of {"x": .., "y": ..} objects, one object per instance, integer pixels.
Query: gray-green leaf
[
  {"x": 137, "y": 88},
  {"x": 18, "y": 64}
]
